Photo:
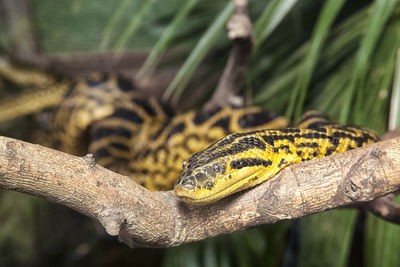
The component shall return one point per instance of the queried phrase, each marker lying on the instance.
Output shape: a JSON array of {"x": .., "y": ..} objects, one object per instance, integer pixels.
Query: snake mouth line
[{"x": 210, "y": 198}]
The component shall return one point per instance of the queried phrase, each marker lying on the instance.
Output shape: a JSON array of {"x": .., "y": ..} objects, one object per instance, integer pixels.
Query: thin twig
[
  {"x": 385, "y": 208},
  {"x": 240, "y": 31},
  {"x": 17, "y": 18}
]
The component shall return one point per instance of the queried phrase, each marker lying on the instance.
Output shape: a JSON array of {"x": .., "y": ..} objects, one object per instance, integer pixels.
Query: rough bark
[{"x": 160, "y": 219}]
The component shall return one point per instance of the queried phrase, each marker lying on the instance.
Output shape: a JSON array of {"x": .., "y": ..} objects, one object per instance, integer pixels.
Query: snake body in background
[{"x": 141, "y": 137}]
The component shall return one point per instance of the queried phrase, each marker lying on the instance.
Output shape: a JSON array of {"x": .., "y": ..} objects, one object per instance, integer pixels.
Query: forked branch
[{"x": 160, "y": 219}]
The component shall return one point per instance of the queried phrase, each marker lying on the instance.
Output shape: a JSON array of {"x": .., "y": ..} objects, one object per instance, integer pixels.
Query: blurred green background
[{"x": 336, "y": 56}]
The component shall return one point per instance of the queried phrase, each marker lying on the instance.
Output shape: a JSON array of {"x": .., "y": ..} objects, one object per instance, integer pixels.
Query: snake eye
[{"x": 184, "y": 163}]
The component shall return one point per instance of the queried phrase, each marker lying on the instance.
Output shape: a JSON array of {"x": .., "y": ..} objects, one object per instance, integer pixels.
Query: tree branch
[
  {"x": 241, "y": 32},
  {"x": 384, "y": 207},
  {"x": 160, "y": 219},
  {"x": 17, "y": 18}
]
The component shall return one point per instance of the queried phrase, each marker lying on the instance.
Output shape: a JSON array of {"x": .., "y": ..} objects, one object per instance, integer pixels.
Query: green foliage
[
  {"x": 246, "y": 248},
  {"x": 273, "y": 13},
  {"x": 162, "y": 44},
  {"x": 325, "y": 239},
  {"x": 16, "y": 237},
  {"x": 198, "y": 53},
  {"x": 328, "y": 14},
  {"x": 382, "y": 242}
]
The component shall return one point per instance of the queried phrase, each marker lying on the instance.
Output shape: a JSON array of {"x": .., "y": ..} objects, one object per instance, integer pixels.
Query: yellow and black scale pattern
[
  {"x": 141, "y": 136},
  {"x": 242, "y": 160}
]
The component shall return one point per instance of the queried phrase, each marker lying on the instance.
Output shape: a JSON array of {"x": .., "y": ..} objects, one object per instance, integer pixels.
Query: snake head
[{"x": 221, "y": 169}]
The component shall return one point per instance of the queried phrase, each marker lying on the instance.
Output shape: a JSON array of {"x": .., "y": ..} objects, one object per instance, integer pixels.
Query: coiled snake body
[{"x": 141, "y": 137}]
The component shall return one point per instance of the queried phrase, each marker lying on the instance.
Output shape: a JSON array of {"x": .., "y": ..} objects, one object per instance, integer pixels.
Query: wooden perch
[{"x": 160, "y": 219}]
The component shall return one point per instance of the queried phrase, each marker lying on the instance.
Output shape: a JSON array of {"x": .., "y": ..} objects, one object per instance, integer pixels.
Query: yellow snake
[
  {"x": 141, "y": 137},
  {"x": 243, "y": 160}
]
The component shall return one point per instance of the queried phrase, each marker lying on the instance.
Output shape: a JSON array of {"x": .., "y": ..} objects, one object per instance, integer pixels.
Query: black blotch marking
[
  {"x": 223, "y": 123},
  {"x": 284, "y": 137},
  {"x": 314, "y": 135},
  {"x": 346, "y": 128},
  {"x": 282, "y": 162},
  {"x": 242, "y": 145},
  {"x": 255, "y": 178},
  {"x": 308, "y": 144},
  {"x": 341, "y": 135},
  {"x": 318, "y": 124},
  {"x": 322, "y": 129},
  {"x": 268, "y": 139},
  {"x": 290, "y": 130},
  {"x": 176, "y": 129},
  {"x": 315, "y": 154},
  {"x": 119, "y": 146},
  {"x": 155, "y": 154},
  {"x": 255, "y": 119},
  {"x": 330, "y": 151},
  {"x": 250, "y": 142},
  {"x": 284, "y": 147},
  {"x": 70, "y": 90},
  {"x": 124, "y": 84},
  {"x": 359, "y": 139},
  {"x": 145, "y": 105},
  {"x": 101, "y": 153},
  {"x": 299, "y": 153},
  {"x": 249, "y": 162},
  {"x": 127, "y": 115},
  {"x": 106, "y": 131},
  {"x": 168, "y": 110},
  {"x": 160, "y": 130},
  {"x": 204, "y": 115},
  {"x": 146, "y": 152},
  {"x": 312, "y": 116},
  {"x": 317, "y": 135},
  {"x": 231, "y": 138}
]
